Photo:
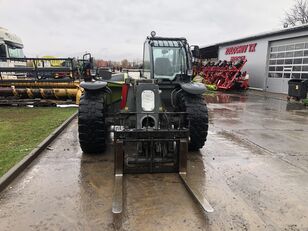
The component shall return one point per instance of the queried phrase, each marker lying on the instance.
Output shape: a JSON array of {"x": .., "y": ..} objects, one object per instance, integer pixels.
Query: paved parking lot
[{"x": 253, "y": 170}]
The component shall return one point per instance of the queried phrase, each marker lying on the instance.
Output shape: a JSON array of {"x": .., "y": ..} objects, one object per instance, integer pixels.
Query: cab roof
[
  {"x": 10, "y": 38},
  {"x": 166, "y": 42}
]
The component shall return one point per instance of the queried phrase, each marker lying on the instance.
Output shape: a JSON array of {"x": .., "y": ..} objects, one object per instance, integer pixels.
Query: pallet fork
[{"x": 117, "y": 202}]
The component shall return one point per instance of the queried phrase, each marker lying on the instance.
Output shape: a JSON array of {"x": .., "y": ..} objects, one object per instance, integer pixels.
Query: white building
[{"x": 273, "y": 58}]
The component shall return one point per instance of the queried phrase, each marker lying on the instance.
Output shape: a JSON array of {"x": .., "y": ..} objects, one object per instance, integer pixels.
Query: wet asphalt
[{"x": 253, "y": 170}]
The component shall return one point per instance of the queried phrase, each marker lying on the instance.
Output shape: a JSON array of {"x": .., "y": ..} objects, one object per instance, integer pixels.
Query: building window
[
  {"x": 273, "y": 56},
  {"x": 290, "y": 47},
  {"x": 288, "y": 61},
  {"x": 298, "y": 61},
  {"x": 280, "y": 61},
  {"x": 299, "y": 46},
  {"x": 305, "y": 68},
  {"x": 272, "y": 68},
  {"x": 281, "y": 55},
  {"x": 286, "y": 75},
  {"x": 282, "y": 48},
  {"x": 274, "y": 49},
  {"x": 296, "y": 75},
  {"x": 298, "y": 53}
]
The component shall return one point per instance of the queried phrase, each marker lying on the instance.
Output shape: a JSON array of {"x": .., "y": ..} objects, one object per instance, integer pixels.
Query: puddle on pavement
[
  {"x": 273, "y": 103},
  {"x": 220, "y": 97}
]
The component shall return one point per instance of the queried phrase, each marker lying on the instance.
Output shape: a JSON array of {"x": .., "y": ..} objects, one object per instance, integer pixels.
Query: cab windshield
[
  {"x": 15, "y": 52},
  {"x": 169, "y": 62}
]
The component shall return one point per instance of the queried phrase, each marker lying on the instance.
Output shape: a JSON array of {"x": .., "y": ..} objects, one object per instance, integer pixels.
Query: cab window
[
  {"x": 169, "y": 62},
  {"x": 15, "y": 52},
  {"x": 2, "y": 51},
  {"x": 146, "y": 61}
]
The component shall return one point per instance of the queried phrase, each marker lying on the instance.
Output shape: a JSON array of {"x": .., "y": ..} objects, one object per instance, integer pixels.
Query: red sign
[
  {"x": 241, "y": 49},
  {"x": 235, "y": 58}
]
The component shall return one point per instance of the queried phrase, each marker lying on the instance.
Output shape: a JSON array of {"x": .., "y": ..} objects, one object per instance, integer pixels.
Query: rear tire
[
  {"x": 197, "y": 116},
  {"x": 91, "y": 123}
]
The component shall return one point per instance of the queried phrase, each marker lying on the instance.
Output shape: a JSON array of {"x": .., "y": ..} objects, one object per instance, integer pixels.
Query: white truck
[{"x": 11, "y": 46}]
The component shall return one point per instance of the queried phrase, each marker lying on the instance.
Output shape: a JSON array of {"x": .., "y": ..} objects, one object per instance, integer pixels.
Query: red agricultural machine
[{"x": 226, "y": 75}]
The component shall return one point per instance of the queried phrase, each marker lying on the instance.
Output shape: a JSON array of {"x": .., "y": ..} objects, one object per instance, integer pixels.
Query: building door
[{"x": 287, "y": 59}]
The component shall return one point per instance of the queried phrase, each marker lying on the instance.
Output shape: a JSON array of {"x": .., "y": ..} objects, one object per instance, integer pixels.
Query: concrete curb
[{"x": 8, "y": 177}]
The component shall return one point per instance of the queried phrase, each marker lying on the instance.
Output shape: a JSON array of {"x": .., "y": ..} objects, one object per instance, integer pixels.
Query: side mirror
[{"x": 196, "y": 52}]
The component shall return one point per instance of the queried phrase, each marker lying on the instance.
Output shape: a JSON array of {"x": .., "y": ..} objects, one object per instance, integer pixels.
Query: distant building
[
  {"x": 273, "y": 57},
  {"x": 101, "y": 63}
]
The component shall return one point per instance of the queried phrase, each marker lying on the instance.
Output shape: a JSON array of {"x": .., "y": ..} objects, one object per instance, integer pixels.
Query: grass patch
[{"x": 22, "y": 129}]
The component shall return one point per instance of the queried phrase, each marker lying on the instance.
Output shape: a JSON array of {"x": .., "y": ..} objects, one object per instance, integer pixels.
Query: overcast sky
[{"x": 116, "y": 29}]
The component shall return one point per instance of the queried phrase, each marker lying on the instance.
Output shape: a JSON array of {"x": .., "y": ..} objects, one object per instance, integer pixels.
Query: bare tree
[
  {"x": 124, "y": 63},
  {"x": 298, "y": 14}
]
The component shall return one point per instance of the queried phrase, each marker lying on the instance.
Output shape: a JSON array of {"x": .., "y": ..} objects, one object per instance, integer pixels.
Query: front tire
[
  {"x": 91, "y": 123},
  {"x": 195, "y": 107}
]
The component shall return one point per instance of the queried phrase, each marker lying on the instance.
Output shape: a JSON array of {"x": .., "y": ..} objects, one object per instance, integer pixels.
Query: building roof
[
  {"x": 264, "y": 35},
  {"x": 209, "y": 52}
]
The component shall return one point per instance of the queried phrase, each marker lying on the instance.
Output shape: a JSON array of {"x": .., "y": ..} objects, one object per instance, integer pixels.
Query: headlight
[{"x": 148, "y": 100}]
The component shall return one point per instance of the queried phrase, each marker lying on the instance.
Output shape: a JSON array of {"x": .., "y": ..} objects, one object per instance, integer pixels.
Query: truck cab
[{"x": 11, "y": 49}]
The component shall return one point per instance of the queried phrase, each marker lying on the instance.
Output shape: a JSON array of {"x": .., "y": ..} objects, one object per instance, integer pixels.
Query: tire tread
[{"x": 91, "y": 123}]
